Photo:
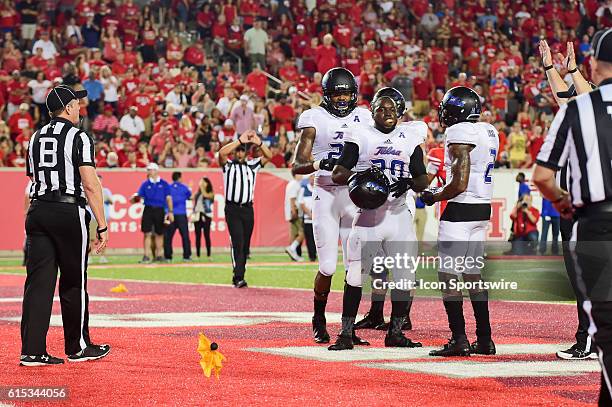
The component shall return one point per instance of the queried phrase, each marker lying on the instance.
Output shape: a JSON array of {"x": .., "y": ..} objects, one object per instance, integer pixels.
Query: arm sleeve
[
  {"x": 306, "y": 119},
  {"x": 553, "y": 153},
  {"x": 255, "y": 163},
  {"x": 461, "y": 134},
  {"x": 433, "y": 164},
  {"x": 167, "y": 191},
  {"x": 350, "y": 155},
  {"x": 85, "y": 150},
  {"x": 141, "y": 190},
  {"x": 417, "y": 166}
]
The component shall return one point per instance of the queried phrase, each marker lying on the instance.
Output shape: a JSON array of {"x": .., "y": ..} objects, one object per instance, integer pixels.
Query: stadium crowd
[{"x": 170, "y": 81}]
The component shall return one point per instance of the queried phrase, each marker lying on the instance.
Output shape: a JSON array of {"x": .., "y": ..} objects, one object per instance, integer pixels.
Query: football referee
[
  {"x": 581, "y": 134},
  {"x": 239, "y": 186},
  {"x": 61, "y": 167}
]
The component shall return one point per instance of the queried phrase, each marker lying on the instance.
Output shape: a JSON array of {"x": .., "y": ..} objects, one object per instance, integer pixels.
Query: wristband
[
  {"x": 546, "y": 68},
  {"x": 573, "y": 70},
  {"x": 316, "y": 165},
  {"x": 100, "y": 231}
]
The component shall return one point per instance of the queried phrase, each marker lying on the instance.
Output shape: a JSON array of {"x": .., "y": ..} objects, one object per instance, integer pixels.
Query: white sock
[{"x": 294, "y": 245}]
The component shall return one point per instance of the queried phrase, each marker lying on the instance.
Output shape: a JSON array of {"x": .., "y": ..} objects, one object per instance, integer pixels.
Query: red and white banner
[{"x": 124, "y": 217}]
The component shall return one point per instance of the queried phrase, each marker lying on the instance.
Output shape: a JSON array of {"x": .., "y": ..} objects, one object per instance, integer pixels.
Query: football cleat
[
  {"x": 370, "y": 322},
  {"x": 400, "y": 341},
  {"x": 342, "y": 343},
  {"x": 483, "y": 348},
  {"x": 319, "y": 329},
  {"x": 576, "y": 352},
  {"x": 453, "y": 348},
  {"x": 358, "y": 341}
]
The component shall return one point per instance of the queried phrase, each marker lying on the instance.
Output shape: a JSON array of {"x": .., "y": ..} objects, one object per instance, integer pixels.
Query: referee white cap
[
  {"x": 61, "y": 95},
  {"x": 602, "y": 45}
]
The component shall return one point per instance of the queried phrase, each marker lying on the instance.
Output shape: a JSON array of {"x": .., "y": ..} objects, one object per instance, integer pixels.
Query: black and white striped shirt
[
  {"x": 581, "y": 134},
  {"x": 55, "y": 153},
  {"x": 239, "y": 180}
]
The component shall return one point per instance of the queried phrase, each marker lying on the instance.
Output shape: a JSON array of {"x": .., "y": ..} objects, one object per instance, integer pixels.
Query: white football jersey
[
  {"x": 331, "y": 130},
  {"x": 389, "y": 151},
  {"x": 484, "y": 138}
]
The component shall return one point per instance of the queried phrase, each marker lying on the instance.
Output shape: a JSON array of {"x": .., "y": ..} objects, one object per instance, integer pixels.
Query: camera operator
[{"x": 525, "y": 231}]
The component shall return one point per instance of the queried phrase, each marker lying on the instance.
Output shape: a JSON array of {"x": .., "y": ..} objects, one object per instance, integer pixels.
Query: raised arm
[{"x": 557, "y": 84}]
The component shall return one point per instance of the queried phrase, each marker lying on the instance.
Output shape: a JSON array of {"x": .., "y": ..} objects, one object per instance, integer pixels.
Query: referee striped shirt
[
  {"x": 55, "y": 153},
  {"x": 239, "y": 180},
  {"x": 581, "y": 134}
]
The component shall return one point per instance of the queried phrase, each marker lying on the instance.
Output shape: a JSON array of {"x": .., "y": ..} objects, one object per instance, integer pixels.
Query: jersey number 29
[{"x": 490, "y": 166}]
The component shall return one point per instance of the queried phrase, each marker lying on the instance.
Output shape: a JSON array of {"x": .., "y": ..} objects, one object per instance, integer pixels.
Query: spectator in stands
[
  {"x": 20, "y": 120},
  {"x": 525, "y": 229},
  {"x": 132, "y": 124},
  {"x": 104, "y": 125},
  {"x": 110, "y": 84},
  {"x": 39, "y": 88},
  {"x": 326, "y": 55},
  {"x": 242, "y": 116},
  {"x": 48, "y": 47},
  {"x": 550, "y": 218},
  {"x": 423, "y": 88},
  {"x": 228, "y": 132},
  {"x": 255, "y": 42},
  {"x": 132, "y": 161},
  {"x": 517, "y": 146}
]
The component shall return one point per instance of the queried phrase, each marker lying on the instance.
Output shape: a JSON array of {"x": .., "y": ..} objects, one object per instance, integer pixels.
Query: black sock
[
  {"x": 319, "y": 307},
  {"x": 350, "y": 301},
  {"x": 347, "y": 326},
  {"x": 480, "y": 305},
  {"x": 377, "y": 306},
  {"x": 454, "y": 311}
]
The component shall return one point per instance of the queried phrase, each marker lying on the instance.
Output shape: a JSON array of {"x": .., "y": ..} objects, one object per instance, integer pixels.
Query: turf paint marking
[
  {"x": 417, "y": 360},
  {"x": 188, "y": 319},
  {"x": 57, "y": 299},
  {"x": 370, "y": 353},
  {"x": 471, "y": 370}
]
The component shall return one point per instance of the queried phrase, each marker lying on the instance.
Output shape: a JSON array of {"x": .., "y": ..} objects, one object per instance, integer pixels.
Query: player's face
[
  {"x": 385, "y": 114},
  {"x": 341, "y": 97}
]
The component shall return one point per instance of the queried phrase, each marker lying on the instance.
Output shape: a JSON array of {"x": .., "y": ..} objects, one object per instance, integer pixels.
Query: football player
[
  {"x": 374, "y": 318},
  {"x": 323, "y": 129},
  {"x": 470, "y": 152},
  {"x": 388, "y": 228}
]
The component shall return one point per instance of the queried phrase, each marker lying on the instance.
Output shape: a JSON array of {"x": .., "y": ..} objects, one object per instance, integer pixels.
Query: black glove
[
  {"x": 327, "y": 164},
  {"x": 428, "y": 198},
  {"x": 400, "y": 187}
]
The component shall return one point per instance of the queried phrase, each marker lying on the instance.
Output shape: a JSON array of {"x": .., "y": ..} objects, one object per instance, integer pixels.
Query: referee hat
[
  {"x": 61, "y": 95},
  {"x": 602, "y": 45}
]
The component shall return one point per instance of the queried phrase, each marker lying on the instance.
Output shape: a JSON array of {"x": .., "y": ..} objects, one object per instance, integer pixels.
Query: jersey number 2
[
  {"x": 490, "y": 166},
  {"x": 336, "y": 150}
]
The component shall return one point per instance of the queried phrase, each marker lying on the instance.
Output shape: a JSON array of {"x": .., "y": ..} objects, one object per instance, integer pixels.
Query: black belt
[
  {"x": 56, "y": 196},
  {"x": 241, "y": 205},
  {"x": 598, "y": 208}
]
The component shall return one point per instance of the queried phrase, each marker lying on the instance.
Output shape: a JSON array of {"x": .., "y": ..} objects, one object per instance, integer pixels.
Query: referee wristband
[
  {"x": 573, "y": 70},
  {"x": 100, "y": 231},
  {"x": 546, "y": 68}
]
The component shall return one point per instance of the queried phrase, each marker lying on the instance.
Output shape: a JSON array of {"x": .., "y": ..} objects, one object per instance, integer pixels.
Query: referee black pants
[
  {"x": 582, "y": 332},
  {"x": 57, "y": 237},
  {"x": 240, "y": 221},
  {"x": 591, "y": 250}
]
